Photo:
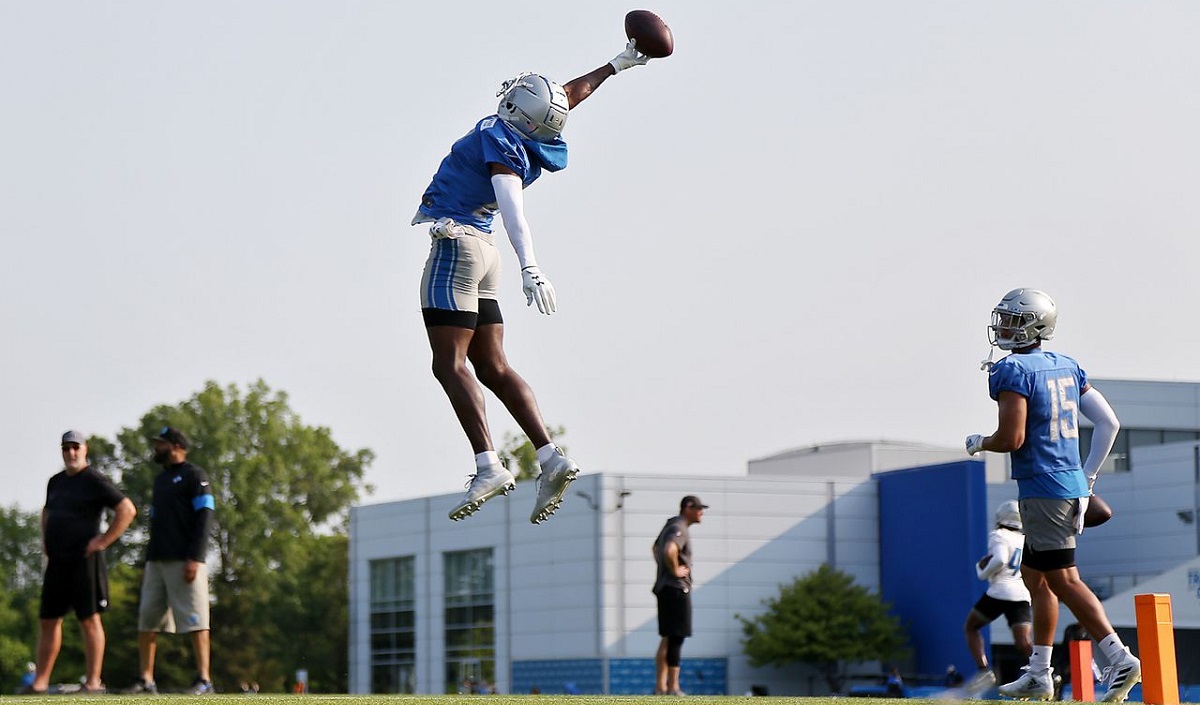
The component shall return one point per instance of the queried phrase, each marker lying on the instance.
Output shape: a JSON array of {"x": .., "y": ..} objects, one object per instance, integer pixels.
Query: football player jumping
[
  {"x": 483, "y": 175},
  {"x": 1040, "y": 395}
]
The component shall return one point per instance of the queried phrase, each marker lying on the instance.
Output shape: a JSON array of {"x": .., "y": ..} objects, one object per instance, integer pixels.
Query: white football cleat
[
  {"x": 483, "y": 485},
  {"x": 556, "y": 474},
  {"x": 1120, "y": 678},
  {"x": 1030, "y": 686}
]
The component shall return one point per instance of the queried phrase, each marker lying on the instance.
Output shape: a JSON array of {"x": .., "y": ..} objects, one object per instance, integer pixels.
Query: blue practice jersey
[
  {"x": 462, "y": 187},
  {"x": 1047, "y": 465}
]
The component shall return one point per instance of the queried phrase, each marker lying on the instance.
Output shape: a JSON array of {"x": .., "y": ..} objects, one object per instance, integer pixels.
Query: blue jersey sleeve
[
  {"x": 1008, "y": 377},
  {"x": 500, "y": 147}
]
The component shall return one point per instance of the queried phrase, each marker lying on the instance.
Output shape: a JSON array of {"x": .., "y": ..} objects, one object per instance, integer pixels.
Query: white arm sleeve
[
  {"x": 1095, "y": 407},
  {"x": 512, "y": 210}
]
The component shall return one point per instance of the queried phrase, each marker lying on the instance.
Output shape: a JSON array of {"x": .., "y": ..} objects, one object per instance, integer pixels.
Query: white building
[
  {"x": 571, "y": 598},
  {"x": 566, "y": 606}
]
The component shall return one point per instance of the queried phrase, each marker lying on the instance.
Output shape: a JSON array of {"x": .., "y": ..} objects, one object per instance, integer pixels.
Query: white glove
[
  {"x": 1083, "y": 505},
  {"x": 538, "y": 288},
  {"x": 974, "y": 443},
  {"x": 628, "y": 58}
]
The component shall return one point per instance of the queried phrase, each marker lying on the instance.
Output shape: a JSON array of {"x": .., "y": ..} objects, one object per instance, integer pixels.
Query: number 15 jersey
[{"x": 1047, "y": 464}]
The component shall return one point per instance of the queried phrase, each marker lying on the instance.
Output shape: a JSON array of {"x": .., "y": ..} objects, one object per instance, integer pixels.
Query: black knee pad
[{"x": 1057, "y": 559}]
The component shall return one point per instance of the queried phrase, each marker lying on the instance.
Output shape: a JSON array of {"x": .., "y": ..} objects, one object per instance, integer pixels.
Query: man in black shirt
[
  {"x": 673, "y": 587},
  {"x": 175, "y": 586},
  {"x": 76, "y": 575}
]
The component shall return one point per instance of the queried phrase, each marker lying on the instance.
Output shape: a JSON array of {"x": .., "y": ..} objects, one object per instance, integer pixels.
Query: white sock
[
  {"x": 486, "y": 459},
  {"x": 546, "y": 453},
  {"x": 1112, "y": 647},
  {"x": 1039, "y": 660}
]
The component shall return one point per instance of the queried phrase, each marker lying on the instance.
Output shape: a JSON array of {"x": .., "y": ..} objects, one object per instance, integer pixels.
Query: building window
[
  {"x": 470, "y": 621},
  {"x": 1178, "y": 436},
  {"x": 393, "y": 620},
  {"x": 1119, "y": 459}
]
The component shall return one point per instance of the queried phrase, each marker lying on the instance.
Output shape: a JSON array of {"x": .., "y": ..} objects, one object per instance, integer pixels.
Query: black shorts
[
  {"x": 1016, "y": 612},
  {"x": 1045, "y": 561},
  {"x": 80, "y": 584},
  {"x": 674, "y": 612}
]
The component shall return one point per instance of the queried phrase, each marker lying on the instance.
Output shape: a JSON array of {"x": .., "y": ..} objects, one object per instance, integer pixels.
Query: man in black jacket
[{"x": 175, "y": 586}]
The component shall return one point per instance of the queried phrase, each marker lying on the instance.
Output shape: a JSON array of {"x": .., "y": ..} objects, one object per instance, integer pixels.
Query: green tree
[
  {"x": 282, "y": 489},
  {"x": 826, "y": 620},
  {"x": 20, "y": 583},
  {"x": 20, "y": 549},
  {"x": 521, "y": 457},
  {"x": 15, "y": 651},
  {"x": 310, "y": 618}
]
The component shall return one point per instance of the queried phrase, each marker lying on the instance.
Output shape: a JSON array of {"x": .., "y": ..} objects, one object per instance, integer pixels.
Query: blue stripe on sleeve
[{"x": 204, "y": 501}]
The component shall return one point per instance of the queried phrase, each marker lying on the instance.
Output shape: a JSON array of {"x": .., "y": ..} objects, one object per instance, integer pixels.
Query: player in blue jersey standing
[
  {"x": 1040, "y": 395},
  {"x": 483, "y": 175}
]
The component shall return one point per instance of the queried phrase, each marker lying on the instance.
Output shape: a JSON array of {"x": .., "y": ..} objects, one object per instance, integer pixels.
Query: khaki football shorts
[{"x": 170, "y": 604}]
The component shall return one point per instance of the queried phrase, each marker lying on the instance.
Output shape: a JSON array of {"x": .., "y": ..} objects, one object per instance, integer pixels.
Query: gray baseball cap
[{"x": 73, "y": 437}]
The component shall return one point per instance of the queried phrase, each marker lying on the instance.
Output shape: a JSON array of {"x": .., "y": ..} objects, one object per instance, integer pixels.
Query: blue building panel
[
  {"x": 697, "y": 676},
  {"x": 627, "y": 676},
  {"x": 558, "y": 677},
  {"x": 632, "y": 676},
  {"x": 933, "y": 525}
]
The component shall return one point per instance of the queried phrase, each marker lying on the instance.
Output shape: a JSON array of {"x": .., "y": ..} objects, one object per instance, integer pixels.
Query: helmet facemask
[{"x": 1024, "y": 317}]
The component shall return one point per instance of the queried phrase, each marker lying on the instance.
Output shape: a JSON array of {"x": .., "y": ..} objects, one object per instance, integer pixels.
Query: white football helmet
[
  {"x": 1008, "y": 514},
  {"x": 1022, "y": 318},
  {"x": 536, "y": 106}
]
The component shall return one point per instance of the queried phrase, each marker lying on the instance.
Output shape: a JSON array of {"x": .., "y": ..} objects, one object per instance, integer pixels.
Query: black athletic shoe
[
  {"x": 201, "y": 687},
  {"x": 142, "y": 687}
]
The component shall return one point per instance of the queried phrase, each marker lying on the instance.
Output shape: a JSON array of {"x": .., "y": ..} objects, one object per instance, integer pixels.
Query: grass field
[
  {"x": 270, "y": 699},
  {"x": 262, "y": 699}
]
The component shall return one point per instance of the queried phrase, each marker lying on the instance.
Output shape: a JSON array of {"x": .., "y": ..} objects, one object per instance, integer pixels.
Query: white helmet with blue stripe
[{"x": 536, "y": 106}]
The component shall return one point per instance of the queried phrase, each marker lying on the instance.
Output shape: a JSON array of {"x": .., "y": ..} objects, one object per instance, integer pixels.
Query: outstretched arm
[{"x": 582, "y": 87}]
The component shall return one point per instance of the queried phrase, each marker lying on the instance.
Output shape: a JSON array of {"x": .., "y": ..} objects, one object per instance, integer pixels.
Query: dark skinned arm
[
  {"x": 582, "y": 87},
  {"x": 1010, "y": 433}
]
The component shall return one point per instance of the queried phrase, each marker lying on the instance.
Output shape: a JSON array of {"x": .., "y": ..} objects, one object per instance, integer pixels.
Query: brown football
[
  {"x": 1097, "y": 512},
  {"x": 653, "y": 36}
]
